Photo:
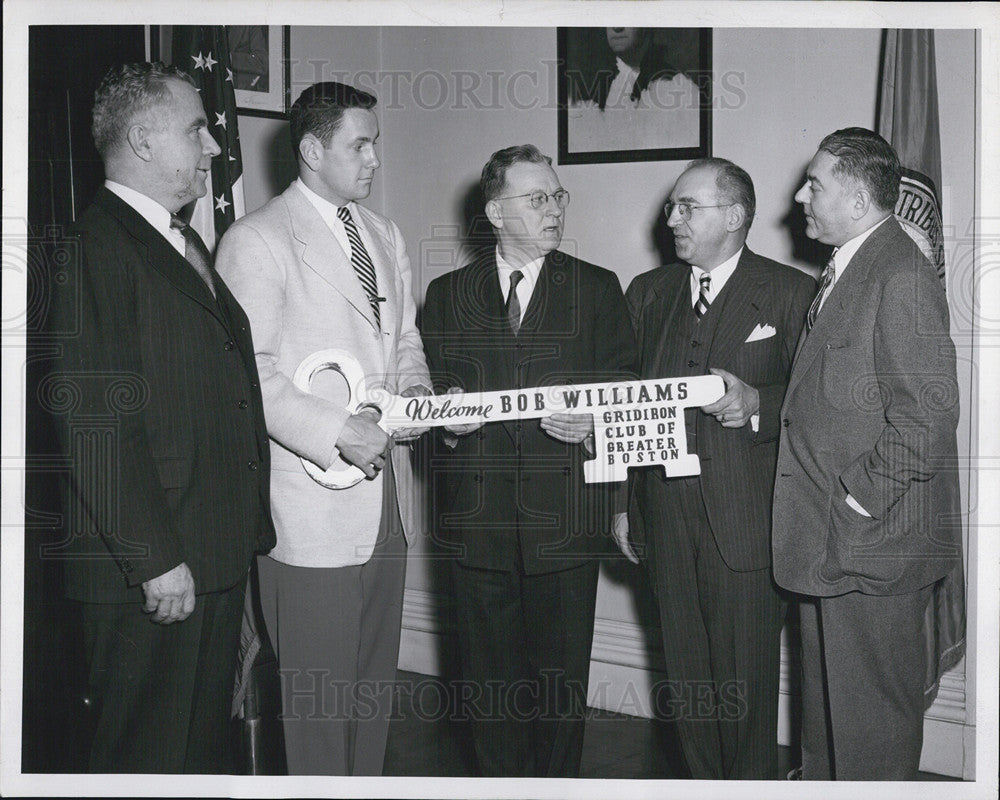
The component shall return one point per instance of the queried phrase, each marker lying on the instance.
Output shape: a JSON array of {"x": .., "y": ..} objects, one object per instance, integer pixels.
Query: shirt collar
[
  {"x": 151, "y": 211},
  {"x": 720, "y": 275},
  {"x": 842, "y": 255},
  {"x": 326, "y": 209},
  {"x": 530, "y": 270},
  {"x": 626, "y": 69}
]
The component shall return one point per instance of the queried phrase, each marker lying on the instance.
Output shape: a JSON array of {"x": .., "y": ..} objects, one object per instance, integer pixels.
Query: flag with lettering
[
  {"x": 908, "y": 119},
  {"x": 202, "y": 51}
]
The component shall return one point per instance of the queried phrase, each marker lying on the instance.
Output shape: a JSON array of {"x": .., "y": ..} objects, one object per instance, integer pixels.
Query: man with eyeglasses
[
  {"x": 512, "y": 510},
  {"x": 705, "y": 538}
]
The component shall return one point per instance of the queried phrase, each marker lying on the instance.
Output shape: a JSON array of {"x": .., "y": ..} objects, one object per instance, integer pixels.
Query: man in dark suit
[
  {"x": 511, "y": 503},
  {"x": 727, "y": 311},
  {"x": 168, "y": 488},
  {"x": 866, "y": 498}
]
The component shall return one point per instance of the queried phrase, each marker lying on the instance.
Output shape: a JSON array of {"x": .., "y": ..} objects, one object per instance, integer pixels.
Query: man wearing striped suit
[
  {"x": 161, "y": 416},
  {"x": 705, "y": 538}
]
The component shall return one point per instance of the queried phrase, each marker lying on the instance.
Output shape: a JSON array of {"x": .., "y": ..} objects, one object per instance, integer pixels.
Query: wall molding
[{"x": 624, "y": 668}]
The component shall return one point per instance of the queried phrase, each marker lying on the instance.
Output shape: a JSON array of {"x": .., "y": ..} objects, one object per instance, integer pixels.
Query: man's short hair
[
  {"x": 320, "y": 110},
  {"x": 733, "y": 183},
  {"x": 493, "y": 180},
  {"x": 125, "y": 93},
  {"x": 868, "y": 159}
]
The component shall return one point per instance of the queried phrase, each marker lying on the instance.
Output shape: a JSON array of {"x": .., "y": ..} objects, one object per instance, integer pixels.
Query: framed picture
[
  {"x": 259, "y": 57},
  {"x": 634, "y": 94}
]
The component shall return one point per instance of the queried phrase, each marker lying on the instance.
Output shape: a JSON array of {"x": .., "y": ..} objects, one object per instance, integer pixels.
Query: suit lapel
[
  {"x": 322, "y": 253},
  {"x": 550, "y": 310},
  {"x": 670, "y": 298},
  {"x": 740, "y": 305},
  {"x": 846, "y": 294},
  {"x": 160, "y": 254}
]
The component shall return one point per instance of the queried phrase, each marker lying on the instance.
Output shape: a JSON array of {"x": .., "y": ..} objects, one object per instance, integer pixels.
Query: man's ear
[
  {"x": 494, "y": 212},
  {"x": 736, "y": 217},
  {"x": 862, "y": 203},
  {"x": 311, "y": 152},
  {"x": 138, "y": 139}
]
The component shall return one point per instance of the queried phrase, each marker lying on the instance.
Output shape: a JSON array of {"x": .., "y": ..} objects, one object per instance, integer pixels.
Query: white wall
[{"x": 449, "y": 97}]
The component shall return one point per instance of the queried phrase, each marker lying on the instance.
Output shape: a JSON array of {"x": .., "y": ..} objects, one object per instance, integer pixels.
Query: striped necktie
[
  {"x": 195, "y": 252},
  {"x": 826, "y": 281},
  {"x": 361, "y": 262},
  {"x": 513, "y": 305},
  {"x": 702, "y": 303}
]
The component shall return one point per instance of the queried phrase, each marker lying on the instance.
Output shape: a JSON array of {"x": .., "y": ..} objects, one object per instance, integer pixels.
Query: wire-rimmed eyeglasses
[
  {"x": 538, "y": 198},
  {"x": 685, "y": 209}
]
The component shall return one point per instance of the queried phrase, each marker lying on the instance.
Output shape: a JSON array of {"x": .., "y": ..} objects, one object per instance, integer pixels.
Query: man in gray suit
[
  {"x": 315, "y": 271},
  {"x": 866, "y": 495},
  {"x": 728, "y": 311}
]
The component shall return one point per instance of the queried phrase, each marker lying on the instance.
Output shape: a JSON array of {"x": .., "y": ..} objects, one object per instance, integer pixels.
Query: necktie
[
  {"x": 826, "y": 281},
  {"x": 513, "y": 304},
  {"x": 361, "y": 262},
  {"x": 702, "y": 303},
  {"x": 195, "y": 252}
]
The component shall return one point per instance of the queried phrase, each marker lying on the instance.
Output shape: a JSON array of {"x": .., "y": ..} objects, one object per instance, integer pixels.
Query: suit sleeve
[
  {"x": 917, "y": 385},
  {"x": 617, "y": 354},
  {"x": 798, "y": 298},
  {"x": 304, "y": 423},
  {"x": 411, "y": 365},
  {"x": 102, "y": 369}
]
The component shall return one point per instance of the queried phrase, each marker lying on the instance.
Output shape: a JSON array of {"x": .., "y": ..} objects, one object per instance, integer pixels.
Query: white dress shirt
[
  {"x": 527, "y": 283},
  {"x": 151, "y": 211},
  {"x": 328, "y": 211},
  {"x": 842, "y": 257},
  {"x": 720, "y": 277}
]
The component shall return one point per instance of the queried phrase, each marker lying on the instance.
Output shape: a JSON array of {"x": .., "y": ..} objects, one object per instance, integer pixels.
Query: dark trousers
[
  {"x": 525, "y": 642},
  {"x": 335, "y": 632},
  {"x": 863, "y": 666},
  {"x": 163, "y": 693},
  {"x": 721, "y": 642}
]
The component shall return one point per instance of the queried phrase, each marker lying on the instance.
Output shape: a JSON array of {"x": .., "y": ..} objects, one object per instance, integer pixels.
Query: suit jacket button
[
  {"x": 785, "y": 422},
  {"x": 252, "y": 465},
  {"x": 478, "y": 477},
  {"x": 692, "y": 363},
  {"x": 242, "y": 404},
  {"x": 565, "y": 470},
  {"x": 230, "y": 345}
]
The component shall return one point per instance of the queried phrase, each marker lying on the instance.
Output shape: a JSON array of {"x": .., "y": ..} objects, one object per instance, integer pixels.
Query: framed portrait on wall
[
  {"x": 259, "y": 57},
  {"x": 634, "y": 94}
]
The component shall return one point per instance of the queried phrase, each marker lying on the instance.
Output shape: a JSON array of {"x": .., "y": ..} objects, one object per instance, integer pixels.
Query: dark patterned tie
[
  {"x": 826, "y": 280},
  {"x": 361, "y": 262},
  {"x": 702, "y": 303},
  {"x": 513, "y": 304},
  {"x": 195, "y": 252}
]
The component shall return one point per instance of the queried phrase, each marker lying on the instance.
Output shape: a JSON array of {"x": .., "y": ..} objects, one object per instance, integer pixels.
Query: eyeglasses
[
  {"x": 685, "y": 209},
  {"x": 538, "y": 198}
]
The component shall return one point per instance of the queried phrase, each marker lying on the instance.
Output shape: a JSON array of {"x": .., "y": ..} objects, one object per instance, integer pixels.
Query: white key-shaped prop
[{"x": 636, "y": 423}]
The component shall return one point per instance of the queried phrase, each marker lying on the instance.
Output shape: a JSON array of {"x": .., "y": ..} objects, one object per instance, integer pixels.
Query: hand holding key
[{"x": 363, "y": 443}]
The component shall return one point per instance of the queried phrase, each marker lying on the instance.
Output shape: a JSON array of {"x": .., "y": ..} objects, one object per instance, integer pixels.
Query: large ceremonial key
[{"x": 636, "y": 423}]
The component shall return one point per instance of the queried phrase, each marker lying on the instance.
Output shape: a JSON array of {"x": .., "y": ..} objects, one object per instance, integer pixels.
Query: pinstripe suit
[
  {"x": 169, "y": 464},
  {"x": 706, "y": 538}
]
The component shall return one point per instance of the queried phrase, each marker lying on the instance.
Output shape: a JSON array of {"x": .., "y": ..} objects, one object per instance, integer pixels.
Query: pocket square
[{"x": 760, "y": 332}]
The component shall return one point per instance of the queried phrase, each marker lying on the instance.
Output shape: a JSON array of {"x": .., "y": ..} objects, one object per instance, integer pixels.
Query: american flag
[
  {"x": 202, "y": 51},
  {"x": 908, "y": 120}
]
